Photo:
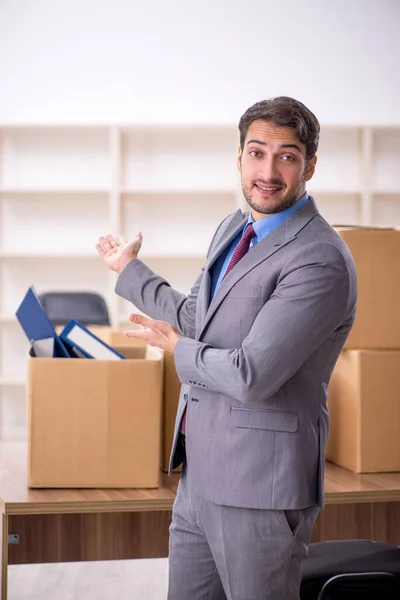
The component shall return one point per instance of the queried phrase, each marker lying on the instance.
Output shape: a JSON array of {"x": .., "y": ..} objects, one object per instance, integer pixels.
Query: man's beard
[{"x": 285, "y": 203}]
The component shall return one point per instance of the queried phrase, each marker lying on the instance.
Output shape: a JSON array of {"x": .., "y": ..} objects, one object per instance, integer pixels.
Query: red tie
[{"x": 241, "y": 249}]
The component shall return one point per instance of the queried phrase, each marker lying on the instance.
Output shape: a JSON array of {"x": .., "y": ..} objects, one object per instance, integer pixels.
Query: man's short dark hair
[{"x": 284, "y": 111}]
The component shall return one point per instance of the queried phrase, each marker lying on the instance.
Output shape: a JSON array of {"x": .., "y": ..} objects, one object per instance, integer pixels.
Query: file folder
[
  {"x": 38, "y": 328},
  {"x": 81, "y": 341}
]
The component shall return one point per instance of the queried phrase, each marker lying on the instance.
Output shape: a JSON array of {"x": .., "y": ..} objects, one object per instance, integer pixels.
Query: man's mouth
[{"x": 268, "y": 190}]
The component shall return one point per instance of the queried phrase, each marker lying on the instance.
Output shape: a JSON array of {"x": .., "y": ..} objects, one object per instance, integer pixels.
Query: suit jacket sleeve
[
  {"x": 309, "y": 303},
  {"x": 154, "y": 296}
]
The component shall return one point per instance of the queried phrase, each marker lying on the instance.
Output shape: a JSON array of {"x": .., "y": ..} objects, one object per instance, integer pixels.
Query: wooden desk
[{"x": 70, "y": 525}]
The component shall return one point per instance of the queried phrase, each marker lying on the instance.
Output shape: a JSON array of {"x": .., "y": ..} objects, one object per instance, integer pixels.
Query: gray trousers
[{"x": 228, "y": 553}]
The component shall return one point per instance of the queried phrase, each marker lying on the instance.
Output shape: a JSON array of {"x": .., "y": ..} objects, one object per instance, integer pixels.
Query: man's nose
[{"x": 269, "y": 170}]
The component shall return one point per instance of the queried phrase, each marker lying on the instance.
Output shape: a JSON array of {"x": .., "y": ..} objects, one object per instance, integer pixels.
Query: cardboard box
[
  {"x": 364, "y": 408},
  {"x": 171, "y": 390},
  {"x": 376, "y": 254},
  {"x": 95, "y": 423}
]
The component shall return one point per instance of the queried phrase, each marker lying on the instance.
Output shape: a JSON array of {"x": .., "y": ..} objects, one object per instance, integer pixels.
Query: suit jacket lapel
[
  {"x": 235, "y": 225},
  {"x": 272, "y": 243}
]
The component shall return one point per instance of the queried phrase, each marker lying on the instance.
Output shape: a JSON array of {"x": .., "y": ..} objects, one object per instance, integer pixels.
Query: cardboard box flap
[
  {"x": 140, "y": 352},
  {"x": 132, "y": 352}
]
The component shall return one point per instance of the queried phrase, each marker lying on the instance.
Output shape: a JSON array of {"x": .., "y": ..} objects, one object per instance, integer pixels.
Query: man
[{"x": 255, "y": 343}]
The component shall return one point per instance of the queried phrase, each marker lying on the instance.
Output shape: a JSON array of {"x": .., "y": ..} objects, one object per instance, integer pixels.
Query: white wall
[{"x": 121, "y": 61}]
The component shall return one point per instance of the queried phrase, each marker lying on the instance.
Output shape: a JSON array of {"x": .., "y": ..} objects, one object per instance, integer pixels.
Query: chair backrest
[
  {"x": 361, "y": 586},
  {"x": 336, "y": 557},
  {"x": 87, "y": 307}
]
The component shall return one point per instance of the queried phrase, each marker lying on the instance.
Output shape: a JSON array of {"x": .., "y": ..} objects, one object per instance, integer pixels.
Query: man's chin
[{"x": 270, "y": 206}]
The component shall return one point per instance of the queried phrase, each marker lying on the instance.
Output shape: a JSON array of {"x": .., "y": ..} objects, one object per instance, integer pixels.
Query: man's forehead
[{"x": 272, "y": 134}]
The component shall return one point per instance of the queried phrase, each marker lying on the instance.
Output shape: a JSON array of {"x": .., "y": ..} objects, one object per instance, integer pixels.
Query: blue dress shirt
[{"x": 262, "y": 228}]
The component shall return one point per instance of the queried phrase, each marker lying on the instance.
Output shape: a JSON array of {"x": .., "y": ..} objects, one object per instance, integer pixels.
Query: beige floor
[{"x": 108, "y": 580}]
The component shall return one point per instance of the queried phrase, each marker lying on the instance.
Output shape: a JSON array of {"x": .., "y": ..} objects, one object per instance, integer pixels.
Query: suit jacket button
[{"x": 185, "y": 396}]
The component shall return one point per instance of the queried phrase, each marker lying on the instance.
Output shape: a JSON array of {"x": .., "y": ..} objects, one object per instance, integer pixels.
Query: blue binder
[
  {"x": 38, "y": 328},
  {"x": 83, "y": 342}
]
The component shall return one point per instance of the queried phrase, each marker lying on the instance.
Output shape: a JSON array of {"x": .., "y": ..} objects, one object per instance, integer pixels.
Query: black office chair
[
  {"x": 86, "y": 307},
  {"x": 351, "y": 570}
]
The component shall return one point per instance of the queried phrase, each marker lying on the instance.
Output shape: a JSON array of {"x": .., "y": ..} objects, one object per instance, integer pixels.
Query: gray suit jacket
[{"x": 255, "y": 363}]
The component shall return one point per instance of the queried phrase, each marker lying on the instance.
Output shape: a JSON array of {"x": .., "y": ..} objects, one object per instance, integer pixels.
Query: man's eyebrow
[
  {"x": 256, "y": 142},
  {"x": 291, "y": 146},
  {"x": 281, "y": 146}
]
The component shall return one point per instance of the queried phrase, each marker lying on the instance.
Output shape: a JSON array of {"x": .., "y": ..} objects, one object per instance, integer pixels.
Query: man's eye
[
  {"x": 288, "y": 158},
  {"x": 255, "y": 153}
]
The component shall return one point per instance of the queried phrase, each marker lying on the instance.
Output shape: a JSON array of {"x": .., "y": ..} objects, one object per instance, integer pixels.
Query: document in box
[
  {"x": 43, "y": 348},
  {"x": 82, "y": 341}
]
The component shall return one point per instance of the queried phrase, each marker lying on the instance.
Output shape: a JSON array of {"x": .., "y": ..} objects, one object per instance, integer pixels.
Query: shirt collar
[{"x": 265, "y": 226}]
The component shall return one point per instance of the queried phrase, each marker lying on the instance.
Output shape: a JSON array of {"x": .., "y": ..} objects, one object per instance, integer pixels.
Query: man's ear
[
  {"x": 239, "y": 160},
  {"x": 310, "y": 169}
]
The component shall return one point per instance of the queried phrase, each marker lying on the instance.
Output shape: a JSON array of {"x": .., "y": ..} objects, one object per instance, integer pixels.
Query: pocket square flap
[{"x": 273, "y": 420}]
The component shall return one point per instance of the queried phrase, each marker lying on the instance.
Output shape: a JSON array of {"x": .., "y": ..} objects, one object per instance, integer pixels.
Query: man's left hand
[{"x": 157, "y": 333}]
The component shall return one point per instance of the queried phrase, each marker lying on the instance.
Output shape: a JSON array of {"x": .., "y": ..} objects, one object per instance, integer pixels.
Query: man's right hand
[{"x": 117, "y": 252}]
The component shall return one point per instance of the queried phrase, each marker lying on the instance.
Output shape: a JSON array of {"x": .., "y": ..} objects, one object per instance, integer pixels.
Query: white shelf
[
  {"x": 52, "y": 224},
  {"x": 142, "y": 256},
  {"x": 177, "y": 256},
  {"x": 172, "y": 191},
  {"x": 387, "y": 192},
  {"x": 340, "y": 208},
  {"x": 339, "y": 159},
  {"x": 12, "y": 382},
  {"x": 46, "y": 256},
  {"x": 55, "y": 157},
  {"x": 8, "y": 318},
  {"x": 386, "y": 210},
  {"x": 331, "y": 192},
  {"x": 49, "y": 191},
  {"x": 175, "y": 225},
  {"x": 179, "y": 158},
  {"x": 385, "y": 159},
  {"x": 49, "y": 275}
]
